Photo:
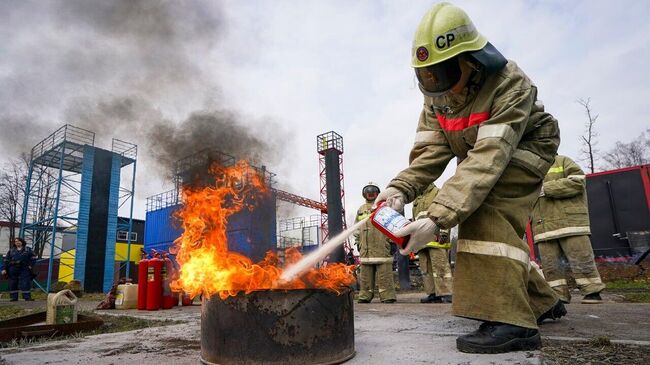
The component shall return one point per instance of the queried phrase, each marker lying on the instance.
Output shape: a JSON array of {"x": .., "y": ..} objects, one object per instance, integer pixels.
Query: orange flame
[{"x": 208, "y": 267}]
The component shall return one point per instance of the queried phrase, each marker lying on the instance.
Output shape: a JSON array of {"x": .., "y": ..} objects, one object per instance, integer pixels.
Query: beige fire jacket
[
  {"x": 501, "y": 122},
  {"x": 562, "y": 210}
]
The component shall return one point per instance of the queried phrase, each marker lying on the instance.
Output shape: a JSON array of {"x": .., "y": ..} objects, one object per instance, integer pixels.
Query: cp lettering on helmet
[{"x": 444, "y": 41}]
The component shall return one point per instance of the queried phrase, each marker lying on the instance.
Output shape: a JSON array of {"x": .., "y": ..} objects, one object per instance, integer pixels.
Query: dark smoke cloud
[
  {"x": 17, "y": 133},
  {"x": 165, "y": 141},
  {"x": 217, "y": 129},
  {"x": 116, "y": 68}
]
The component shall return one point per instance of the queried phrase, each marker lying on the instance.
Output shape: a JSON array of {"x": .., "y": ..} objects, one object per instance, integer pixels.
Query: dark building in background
[{"x": 619, "y": 209}]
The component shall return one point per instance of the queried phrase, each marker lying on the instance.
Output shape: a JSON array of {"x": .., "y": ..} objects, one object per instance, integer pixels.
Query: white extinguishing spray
[{"x": 385, "y": 219}]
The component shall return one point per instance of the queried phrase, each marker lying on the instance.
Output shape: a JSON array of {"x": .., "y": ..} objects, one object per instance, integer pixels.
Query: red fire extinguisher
[
  {"x": 388, "y": 222},
  {"x": 142, "y": 282},
  {"x": 167, "y": 274},
  {"x": 186, "y": 299},
  {"x": 154, "y": 283}
]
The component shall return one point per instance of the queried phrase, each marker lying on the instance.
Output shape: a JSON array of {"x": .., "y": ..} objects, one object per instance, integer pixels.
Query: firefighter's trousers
[
  {"x": 436, "y": 271},
  {"x": 380, "y": 275},
  {"x": 580, "y": 256},
  {"x": 493, "y": 278}
]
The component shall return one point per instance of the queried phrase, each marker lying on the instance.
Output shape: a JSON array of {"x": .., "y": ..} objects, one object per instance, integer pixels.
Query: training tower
[
  {"x": 332, "y": 192},
  {"x": 73, "y": 186}
]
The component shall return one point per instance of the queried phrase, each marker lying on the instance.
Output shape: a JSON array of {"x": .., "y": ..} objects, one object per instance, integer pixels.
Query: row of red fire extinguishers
[{"x": 156, "y": 271}]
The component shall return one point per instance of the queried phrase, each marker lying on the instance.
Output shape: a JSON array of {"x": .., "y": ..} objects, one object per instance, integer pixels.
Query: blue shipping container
[{"x": 161, "y": 227}]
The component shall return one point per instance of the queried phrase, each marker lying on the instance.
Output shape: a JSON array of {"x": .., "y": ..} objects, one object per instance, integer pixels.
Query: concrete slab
[{"x": 404, "y": 332}]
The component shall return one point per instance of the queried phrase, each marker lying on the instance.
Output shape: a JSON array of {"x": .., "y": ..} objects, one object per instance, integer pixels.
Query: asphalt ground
[{"x": 403, "y": 332}]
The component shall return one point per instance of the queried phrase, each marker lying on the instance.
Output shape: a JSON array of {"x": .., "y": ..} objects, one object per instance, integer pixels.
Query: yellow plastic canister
[
  {"x": 61, "y": 307},
  {"x": 126, "y": 296}
]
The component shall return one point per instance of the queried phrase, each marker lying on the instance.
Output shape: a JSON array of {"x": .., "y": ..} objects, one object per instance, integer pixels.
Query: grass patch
[
  {"x": 112, "y": 324},
  {"x": 86, "y": 297},
  {"x": 637, "y": 297},
  {"x": 598, "y": 350},
  {"x": 628, "y": 284},
  {"x": 124, "y": 323},
  {"x": 12, "y": 311},
  {"x": 635, "y": 291}
]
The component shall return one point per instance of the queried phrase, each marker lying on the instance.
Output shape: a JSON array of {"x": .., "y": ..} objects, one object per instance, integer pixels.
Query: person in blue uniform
[{"x": 17, "y": 264}]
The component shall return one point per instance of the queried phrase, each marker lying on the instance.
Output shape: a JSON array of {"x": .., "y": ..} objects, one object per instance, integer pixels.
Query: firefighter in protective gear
[
  {"x": 375, "y": 254},
  {"x": 434, "y": 257},
  {"x": 482, "y": 110},
  {"x": 17, "y": 264},
  {"x": 561, "y": 228}
]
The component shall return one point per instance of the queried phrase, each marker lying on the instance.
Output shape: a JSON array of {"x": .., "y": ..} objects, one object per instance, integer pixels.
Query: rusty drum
[{"x": 304, "y": 326}]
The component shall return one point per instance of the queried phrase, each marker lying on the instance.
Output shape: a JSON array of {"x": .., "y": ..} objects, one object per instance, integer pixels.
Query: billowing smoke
[
  {"x": 133, "y": 70},
  {"x": 217, "y": 129}
]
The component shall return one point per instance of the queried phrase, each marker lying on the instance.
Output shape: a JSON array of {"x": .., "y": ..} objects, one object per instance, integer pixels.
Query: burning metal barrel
[{"x": 301, "y": 326}]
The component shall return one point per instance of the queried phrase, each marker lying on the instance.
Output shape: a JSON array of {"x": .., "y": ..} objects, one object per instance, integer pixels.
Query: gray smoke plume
[{"x": 119, "y": 68}]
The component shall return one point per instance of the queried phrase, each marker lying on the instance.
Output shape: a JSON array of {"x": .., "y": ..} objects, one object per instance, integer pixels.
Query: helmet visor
[
  {"x": 370, "y": 191},
  {"x": 439, "y": 78}
]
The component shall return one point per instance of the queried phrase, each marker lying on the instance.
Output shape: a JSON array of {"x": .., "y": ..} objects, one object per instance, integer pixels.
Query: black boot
[
  {"x": 429, "y": 299},
  {"x": 443, "y": 299},
  {"x": 495, "y": 338},
  {"x": 593, "y": 298},
  {"x": 557, "y": 311}
]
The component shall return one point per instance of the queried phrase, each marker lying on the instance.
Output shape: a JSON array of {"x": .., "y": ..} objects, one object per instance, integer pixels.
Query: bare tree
[
  {"x": 636, "y": 152},
  {"x": 43, "y": 194},
  {"x": 12, "y": 189},
  {"x": 588, "y": 151}
]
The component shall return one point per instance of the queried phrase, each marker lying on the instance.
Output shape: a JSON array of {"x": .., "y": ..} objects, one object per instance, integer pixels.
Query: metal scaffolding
[
  {"x": 129, "y": 155},
  {"x": 287, "y": 229},
  {"x": 53, "y": 188}
]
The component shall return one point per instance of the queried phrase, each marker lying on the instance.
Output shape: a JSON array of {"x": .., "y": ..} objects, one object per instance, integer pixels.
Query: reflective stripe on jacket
[
  {"x": 562, "y": 210},
  {"x": 502, "y": 122}
]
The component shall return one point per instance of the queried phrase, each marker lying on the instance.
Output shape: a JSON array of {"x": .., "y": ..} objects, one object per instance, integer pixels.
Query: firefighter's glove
[
  {"x": 394, "y": 199},
  {"x": 422, "y": 231}
]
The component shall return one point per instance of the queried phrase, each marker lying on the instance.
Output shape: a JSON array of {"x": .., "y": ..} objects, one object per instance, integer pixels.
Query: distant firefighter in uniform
[
  {"x": 434, "y": 257},
  {"x": 375, "y": 254},
  {"x": 17, "y": 264},
  {"x": 561, "y": 229}
]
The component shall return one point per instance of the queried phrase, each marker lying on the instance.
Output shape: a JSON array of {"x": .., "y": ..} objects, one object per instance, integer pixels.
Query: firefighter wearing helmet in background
[
  {"x": 482, "y": 110},
  {"x": 374, "y": 253},
  {"x": 434, "y": 257},
  {"x": 561, "y": 228}
]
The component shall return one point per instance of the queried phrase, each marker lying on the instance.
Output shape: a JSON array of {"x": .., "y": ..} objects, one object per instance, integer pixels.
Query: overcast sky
[{"x": 290, "y": 70}]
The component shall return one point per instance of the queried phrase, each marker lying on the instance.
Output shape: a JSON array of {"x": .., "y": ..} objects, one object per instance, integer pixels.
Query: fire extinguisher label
[
  {"x": 150, "y": 271},
  {"x": 389, "y": 219}
]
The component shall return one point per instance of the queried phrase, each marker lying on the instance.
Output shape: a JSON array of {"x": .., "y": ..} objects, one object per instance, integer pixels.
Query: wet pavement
[{"x": 404, "y": 332}]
